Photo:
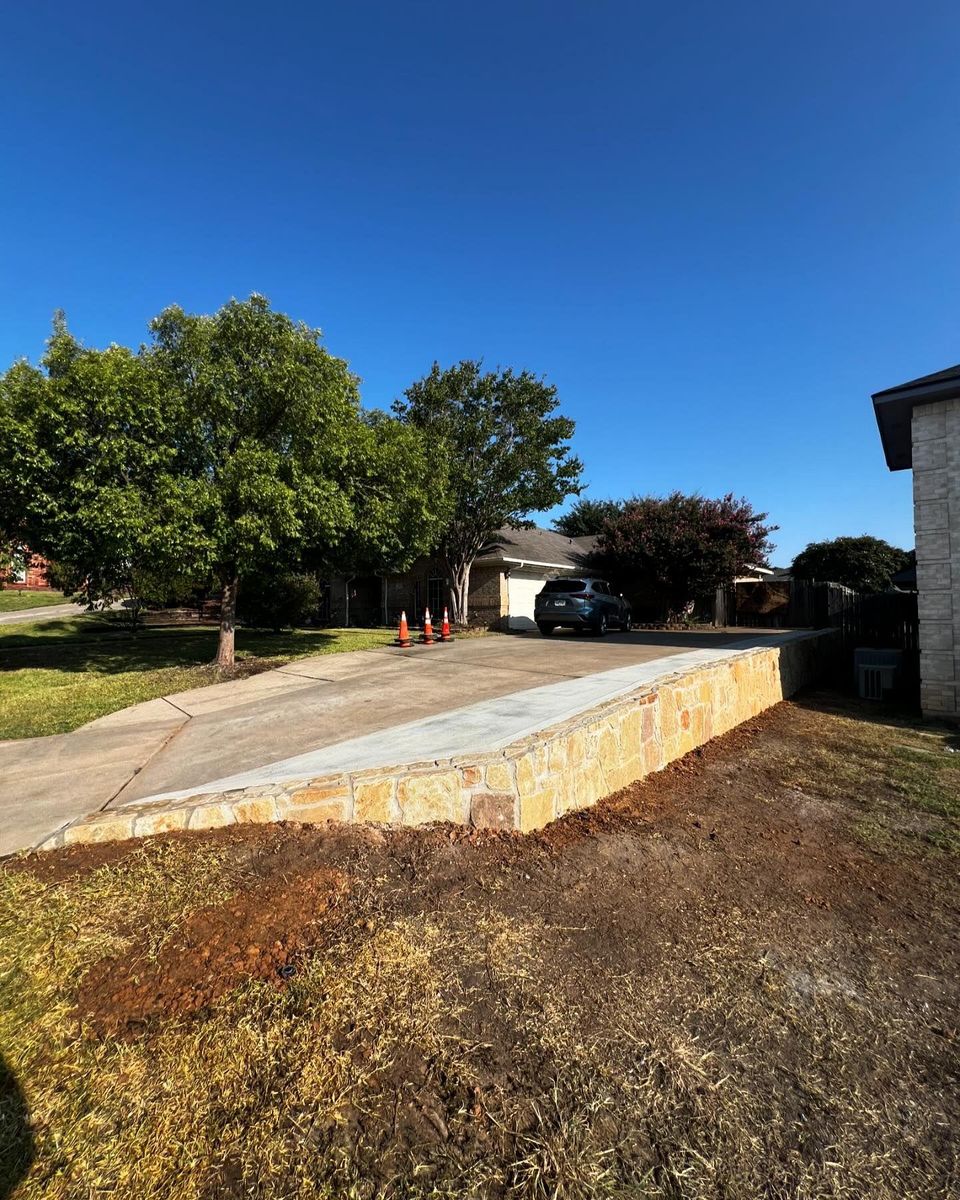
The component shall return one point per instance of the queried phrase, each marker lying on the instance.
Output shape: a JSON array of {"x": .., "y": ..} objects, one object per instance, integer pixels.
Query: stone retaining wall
[{"x": 524, "y": 786}]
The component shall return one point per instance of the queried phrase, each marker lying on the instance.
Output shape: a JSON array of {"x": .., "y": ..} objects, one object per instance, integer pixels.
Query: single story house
[
  {"x": 919, "y": 426},
  {"x": 504, "y": 580}
]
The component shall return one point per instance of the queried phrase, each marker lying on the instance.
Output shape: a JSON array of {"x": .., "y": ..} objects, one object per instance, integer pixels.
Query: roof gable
[{"x": 894, "y": 407}]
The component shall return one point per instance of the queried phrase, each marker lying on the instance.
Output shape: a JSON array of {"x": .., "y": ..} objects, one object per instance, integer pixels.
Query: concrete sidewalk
[{"x": 188, "y": 740}]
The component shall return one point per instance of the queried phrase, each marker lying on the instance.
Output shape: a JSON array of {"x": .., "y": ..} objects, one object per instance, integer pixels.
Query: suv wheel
[
  {"x": 545, "y": 628},
  {"x": 600, "y": 628}
]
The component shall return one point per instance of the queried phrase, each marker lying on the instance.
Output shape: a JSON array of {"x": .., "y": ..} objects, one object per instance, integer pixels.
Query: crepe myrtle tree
[
  {"x": 680, "y": 548},
  {"x": 270, "y": 424},
  {"x": 502, "y": 450}
]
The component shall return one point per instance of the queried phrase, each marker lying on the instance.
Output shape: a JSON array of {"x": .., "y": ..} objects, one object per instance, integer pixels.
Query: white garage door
[{"x": 521, "y": 592}]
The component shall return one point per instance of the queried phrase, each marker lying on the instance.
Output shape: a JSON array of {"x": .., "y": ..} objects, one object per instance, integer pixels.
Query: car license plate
[{"x": 559, "y": 604}]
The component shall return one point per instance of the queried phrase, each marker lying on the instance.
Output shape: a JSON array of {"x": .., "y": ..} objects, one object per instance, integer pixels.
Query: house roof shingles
[{"x": 537, "y": 547}]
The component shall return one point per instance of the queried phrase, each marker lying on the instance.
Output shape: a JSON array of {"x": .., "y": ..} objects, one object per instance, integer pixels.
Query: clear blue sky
[{"x": 716, "y": 227}]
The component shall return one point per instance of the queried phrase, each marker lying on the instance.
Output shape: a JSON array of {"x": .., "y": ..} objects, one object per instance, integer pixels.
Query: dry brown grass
[{"x": 474, "y": 1036}]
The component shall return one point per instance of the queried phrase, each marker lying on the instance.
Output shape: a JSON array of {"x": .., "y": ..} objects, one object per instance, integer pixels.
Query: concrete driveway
[{"x": 188, "y": 739}]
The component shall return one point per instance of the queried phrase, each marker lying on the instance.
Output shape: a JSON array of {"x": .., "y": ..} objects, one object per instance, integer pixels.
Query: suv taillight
[{"x": 580, "y": 596}]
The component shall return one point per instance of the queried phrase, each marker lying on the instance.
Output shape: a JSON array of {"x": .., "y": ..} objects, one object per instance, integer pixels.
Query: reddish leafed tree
[{"x": 674, "y": 550}]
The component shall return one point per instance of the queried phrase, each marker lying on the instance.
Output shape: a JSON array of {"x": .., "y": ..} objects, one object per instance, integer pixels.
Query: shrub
[{"x": 279, "y": 601}]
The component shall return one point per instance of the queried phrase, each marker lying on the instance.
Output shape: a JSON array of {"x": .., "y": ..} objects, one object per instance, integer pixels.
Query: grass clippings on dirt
[
  {"x": 736, "y": 979},
  {"x": 57, "y": 675}
]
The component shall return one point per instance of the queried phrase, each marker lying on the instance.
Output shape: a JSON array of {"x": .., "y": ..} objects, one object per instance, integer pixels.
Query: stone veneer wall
[
  {"x": 525, "y": 786},
  {"x": 936, "y": 513}
]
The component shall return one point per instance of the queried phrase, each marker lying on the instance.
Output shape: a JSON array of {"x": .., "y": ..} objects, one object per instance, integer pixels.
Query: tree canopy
[
  {"x": 587, "y": 517},
  {"x": 232, "y": 445},
  {"x": 500, "y": 449},
  {"x": 673, "y": 550},
  {"x": 863, "y": 563},
  {"x": 88, "y": 463}
]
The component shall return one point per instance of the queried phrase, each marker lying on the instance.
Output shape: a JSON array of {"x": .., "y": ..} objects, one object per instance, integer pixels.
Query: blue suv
[{"x": 582, "y": 604}]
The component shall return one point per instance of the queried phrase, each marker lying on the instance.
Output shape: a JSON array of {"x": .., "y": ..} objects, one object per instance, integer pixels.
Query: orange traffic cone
[
  {"x": 445, "y": 635},
  {"x": 403, "y": 635},
  {"x": 427, "y": 637}
]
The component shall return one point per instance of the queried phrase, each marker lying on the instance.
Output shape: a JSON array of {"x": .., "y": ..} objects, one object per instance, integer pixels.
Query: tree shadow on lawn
[
  {"x": 109, "y": 649},
  {"x": 16, "y": 1139}
]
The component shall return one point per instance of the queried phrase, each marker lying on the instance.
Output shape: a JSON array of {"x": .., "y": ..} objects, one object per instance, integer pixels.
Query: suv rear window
[{"x": 565, "y": 585}]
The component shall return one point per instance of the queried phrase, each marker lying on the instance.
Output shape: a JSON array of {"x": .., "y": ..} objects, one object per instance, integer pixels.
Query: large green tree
[
  {"x": 864, "y": 563},
  {"x": 501, "y": 452},
  {"x": 586, "y": 517},
  {"x": 88, "y": 465},
  {"x": 678, "y": 549},
  {"x": 270, "y": 428},
  {"x": 399, "y": 503}
]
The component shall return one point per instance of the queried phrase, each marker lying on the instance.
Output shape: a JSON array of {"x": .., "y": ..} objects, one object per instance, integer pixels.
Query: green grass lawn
[
  {"x": 57, "y": 675},
  {"x": 12, "y": 600}
]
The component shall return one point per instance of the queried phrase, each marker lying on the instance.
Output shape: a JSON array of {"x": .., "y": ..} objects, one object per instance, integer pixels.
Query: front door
[{"x": 436, "y": 596}]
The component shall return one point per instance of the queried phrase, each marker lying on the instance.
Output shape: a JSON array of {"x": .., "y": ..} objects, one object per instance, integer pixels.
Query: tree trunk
[
  {"x": 228, "y": 618},
  {"x": 460, "y": 591}
]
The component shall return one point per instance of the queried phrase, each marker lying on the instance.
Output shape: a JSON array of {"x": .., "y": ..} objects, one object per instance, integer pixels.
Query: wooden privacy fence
[{"x": 886, "y": 619}]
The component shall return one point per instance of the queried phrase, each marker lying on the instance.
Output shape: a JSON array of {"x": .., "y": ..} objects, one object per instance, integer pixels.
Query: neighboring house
[
  {"x": 504, "y": 580},
  {"x": 752, "y": 574},
  {"x": 919, "y": 426},
  {"x": 28, "y": 573}
]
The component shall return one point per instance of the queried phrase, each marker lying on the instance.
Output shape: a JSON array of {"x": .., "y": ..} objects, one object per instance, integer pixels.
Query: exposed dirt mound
[
  {"x": 259, "y": 933},
  {"x": 735, "y": 978}
]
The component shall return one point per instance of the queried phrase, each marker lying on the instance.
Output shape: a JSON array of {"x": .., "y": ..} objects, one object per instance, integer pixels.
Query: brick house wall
[
  {"x": 426, "y": 583},
  {"x": 935, "y": 431},
  {"x": 33, "y": 578}
]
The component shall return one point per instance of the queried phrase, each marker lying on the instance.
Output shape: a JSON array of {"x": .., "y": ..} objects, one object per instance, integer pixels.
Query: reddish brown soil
[
  {"x": 743, "y": 872},
  {"x": 258, "y": 934},
  {"x": 712, "y": 833}
]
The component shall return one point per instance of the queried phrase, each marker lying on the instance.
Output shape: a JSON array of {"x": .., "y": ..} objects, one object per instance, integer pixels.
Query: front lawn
[
  {"x": 738, "y": 978},
  {"x": 12, "y": 600},
  {"x": 57, "y": 675}
]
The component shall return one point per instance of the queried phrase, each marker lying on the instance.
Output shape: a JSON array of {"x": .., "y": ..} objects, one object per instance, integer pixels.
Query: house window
[{"x": 436, "y": 589}]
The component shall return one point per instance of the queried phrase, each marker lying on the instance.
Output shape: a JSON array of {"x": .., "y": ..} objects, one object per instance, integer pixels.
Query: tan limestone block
[
  {"x": 558, "y": 752},
  {"x": 211, "y": 816},
  {"x": 315, "y": 814},
  {"x": 101, "y": 827},
  {"x": 631, "y": 730},
  {"x": 538, "y": 809},
  {"x": 320, "y": 793},
  {"x": 167, "y": 820},
  {"x": 527, "y": 780},
  {"x": 576, "y": 748},
  {"x": 373, "y": 800},
  {"x": 616, "y": 777},
  {"x": 499, "y": 777},
  {"x": 589, "y": 785},
  {"x": 435, "y": 797},
  {"x": 255, "y": 810}
]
